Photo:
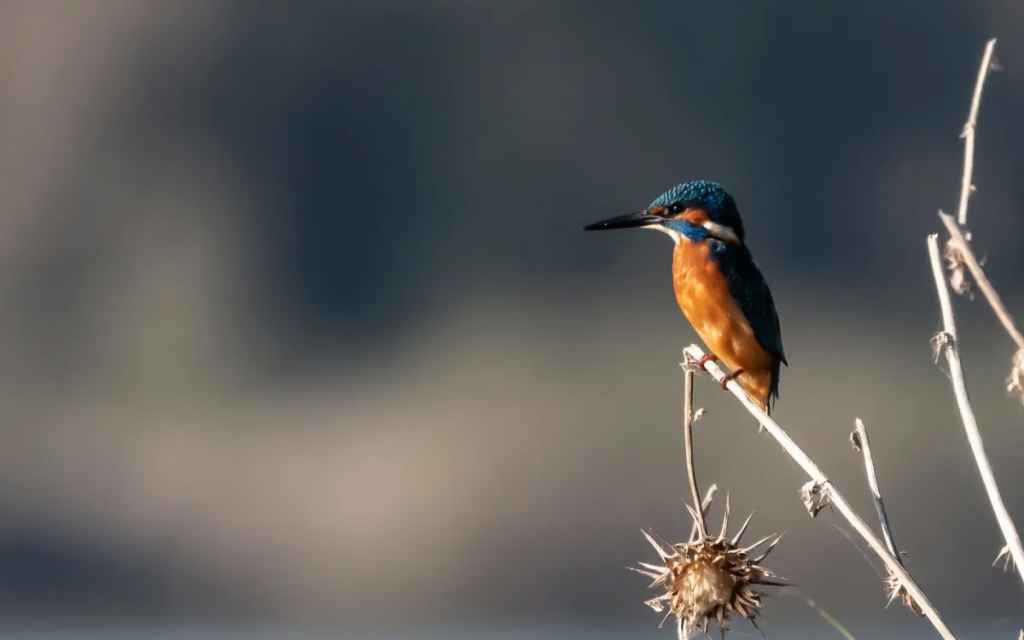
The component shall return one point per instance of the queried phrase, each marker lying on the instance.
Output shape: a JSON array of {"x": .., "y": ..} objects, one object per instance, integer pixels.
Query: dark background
[{"x": 298, "y": 326}]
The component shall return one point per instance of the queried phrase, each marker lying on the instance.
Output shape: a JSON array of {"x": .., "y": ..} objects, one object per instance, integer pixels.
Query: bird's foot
[
  {"x": 729, "y": 378},
  {"x": 706, "y": 358}
]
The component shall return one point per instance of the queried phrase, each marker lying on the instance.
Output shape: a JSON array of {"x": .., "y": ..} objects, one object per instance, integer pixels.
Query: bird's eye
[{"x": 675, "y": 208}]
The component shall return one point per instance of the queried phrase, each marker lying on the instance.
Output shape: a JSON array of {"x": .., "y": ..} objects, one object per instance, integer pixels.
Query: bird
[{"x": 717, "y": 285}]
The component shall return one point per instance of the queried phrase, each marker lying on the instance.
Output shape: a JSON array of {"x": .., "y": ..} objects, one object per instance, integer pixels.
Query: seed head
[{"x": 708, "y": 579}]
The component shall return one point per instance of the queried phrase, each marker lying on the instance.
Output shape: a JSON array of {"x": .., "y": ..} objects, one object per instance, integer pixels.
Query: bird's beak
[{"x": 630, "y": 220}]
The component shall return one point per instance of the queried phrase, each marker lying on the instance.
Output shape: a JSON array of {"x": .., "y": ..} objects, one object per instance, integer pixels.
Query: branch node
[
  {"x": 1005, "y": 556},
  {"x": 690, "y": 363},
  {"x": 815, "y": 495},
  {"x": 894, "y": 587},
  {"x": 1015, "y": 381},
  {"x": 855, "y": 441},
  {"x": 940, "y": 342},
  {"x": 956, "y": 264}
]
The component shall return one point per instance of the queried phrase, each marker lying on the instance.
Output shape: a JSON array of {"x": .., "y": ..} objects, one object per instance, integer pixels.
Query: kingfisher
[{"x": 717, "y": 285}]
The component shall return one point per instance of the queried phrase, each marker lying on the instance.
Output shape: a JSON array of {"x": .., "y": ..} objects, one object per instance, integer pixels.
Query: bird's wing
[{"x": 751, "y": 292}]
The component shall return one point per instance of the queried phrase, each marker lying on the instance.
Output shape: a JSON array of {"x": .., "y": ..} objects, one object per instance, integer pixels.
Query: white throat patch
[{"x": 721, "y": 231}]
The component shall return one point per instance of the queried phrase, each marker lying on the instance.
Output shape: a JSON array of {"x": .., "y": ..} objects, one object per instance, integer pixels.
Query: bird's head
[{"x": 692, "y": 211}]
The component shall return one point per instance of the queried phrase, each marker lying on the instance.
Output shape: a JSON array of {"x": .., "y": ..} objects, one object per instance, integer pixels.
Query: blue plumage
[
  {"x": 751, "y": 292},
  {"x": 717, "y": 285},
  {"x": 707, "y": 195},
  {"x": 746, "y": 284},
  {"x": 692, "y": 231}
]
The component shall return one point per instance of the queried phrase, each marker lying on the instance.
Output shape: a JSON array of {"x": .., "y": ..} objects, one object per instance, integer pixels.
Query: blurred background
[{"x": 300, "y": 335}]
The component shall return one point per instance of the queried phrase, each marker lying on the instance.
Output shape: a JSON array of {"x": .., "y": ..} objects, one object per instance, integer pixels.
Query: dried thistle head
[
  {"x": 1015, "y": 382},
  {"x": 709, "y": 578}
]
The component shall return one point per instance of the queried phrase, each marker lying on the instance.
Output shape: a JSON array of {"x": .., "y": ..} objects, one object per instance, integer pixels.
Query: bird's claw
[
  {"x": 730, "y": 377},
  {"x": 706, "y": 358}
]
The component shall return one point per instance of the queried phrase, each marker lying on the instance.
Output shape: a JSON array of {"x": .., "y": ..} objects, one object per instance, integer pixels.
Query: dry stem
[
  {"x": 861, "y": 442},
  {"x": 823, "y": 487},
  {"x": 966, "y": 186},
  {"x": 963, "y": 247},
  {"x": 691, "y": 471},
  {"x": 947, "y": 343}
]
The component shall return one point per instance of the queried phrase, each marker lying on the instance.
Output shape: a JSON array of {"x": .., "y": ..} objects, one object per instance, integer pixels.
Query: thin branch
[
  {"x": 691, "y": 471},
  {"x": 960, "y": 243},
  {"x": 860, "y": 441},
  {"x": 822, "y": 487},
  {"x": 966, "y": 186},
  {"x": 949, "y": 345}
]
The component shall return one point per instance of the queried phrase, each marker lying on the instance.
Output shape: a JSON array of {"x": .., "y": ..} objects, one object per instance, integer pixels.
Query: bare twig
[
  {"x": 958, "y": 248},
  {"x": 950, "y": 347},
  {"x": 860, "y": 441},
  {"x": 966, "y": 186},
  {"x": 691, "y": 471},
  {"x": 960, "y": 244},
  {"x": 822, "y": 484}
]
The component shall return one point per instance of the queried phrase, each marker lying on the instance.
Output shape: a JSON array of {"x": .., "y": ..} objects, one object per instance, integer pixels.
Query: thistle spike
[
  {"x": 743, "y": 529},
  {"x": 656, "y": 545},
  {"x": 656, "y": 577},
  {"x": 656, "y": 603},
  {"x": 759, "y": 630},
  {"x": 725, "y": 519},
  {"x": 768, "y": 549},
  {"x": 653, "y": 567},
  {"x": 763, "y": 540},
  {"x": 708, "y": 497},
  {"x": 771, "y": 580},
  {"x": 893, "y": 593},
  {"x": 667, "y": 614}
]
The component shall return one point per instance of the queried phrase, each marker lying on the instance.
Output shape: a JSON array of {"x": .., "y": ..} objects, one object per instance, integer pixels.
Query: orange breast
[{"x": 703, "y": 295}]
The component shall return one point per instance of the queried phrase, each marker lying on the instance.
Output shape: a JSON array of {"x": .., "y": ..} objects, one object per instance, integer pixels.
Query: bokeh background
[{"x": 299, "y": 334}]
